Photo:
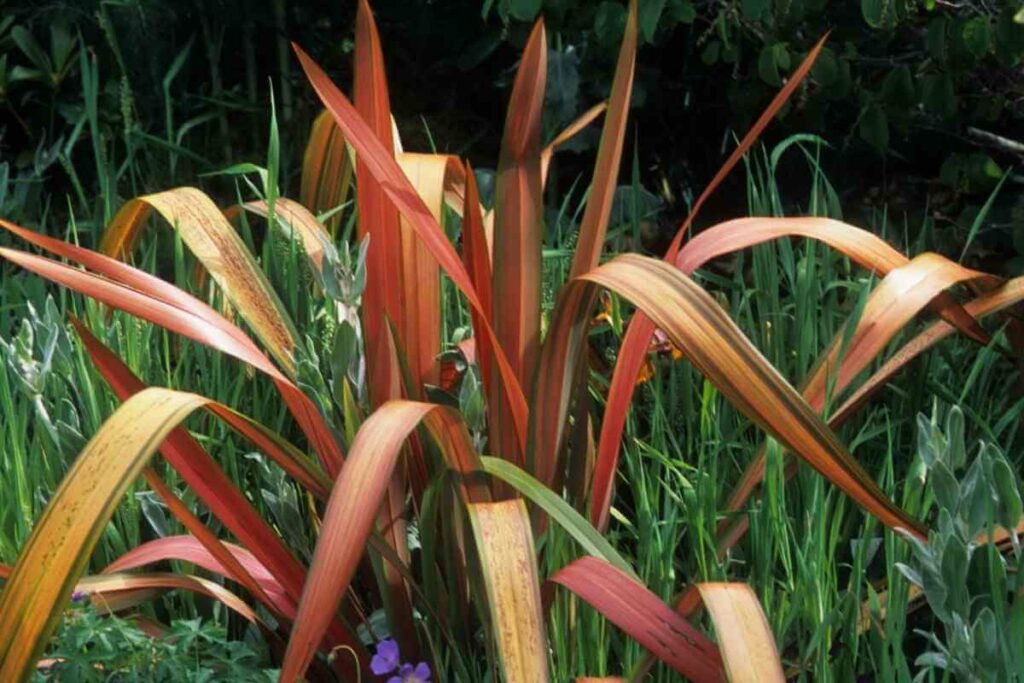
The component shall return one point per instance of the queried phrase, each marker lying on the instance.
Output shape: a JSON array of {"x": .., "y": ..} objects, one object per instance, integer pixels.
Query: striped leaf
[
  {"x": 326, "y": 169},
  {"x": 386, "y": 171},
  {"x": 633, "y": 350},
  {"x": 504, "y": 543},
  {"x": 643, "y": 616},
  {"x": 518, "y": 237},
  {"x": 56, "y": 553},
  {"x": 353, "y": 506},
  {"x": 711, "y": 341},
  {"x": 159, "y": 302},
  {"x": 214, "y": 242},
  {"x": 864, "y": 248}
]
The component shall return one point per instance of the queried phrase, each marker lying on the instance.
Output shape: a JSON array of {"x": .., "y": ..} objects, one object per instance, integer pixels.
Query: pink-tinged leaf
[
  {"x": 116, "y": 592},
  {"x": 161, "y": 303},
  {"x": 562, "y": 355},
  {"x": 903, "y": 293},
  {"x": 864, "y": 248},
  {"x": 386, "y": 171},
  {"x": 353, "y": 506},
  {"x": 644, "y": 617},
  {"x": 998, "y": 299},
  {"x": 633, "y": 350},
  {"x": 571, "y": 131},
  {"x": 378, "y": 217},
  {"x": 518, "y": 237},
  {"x": 326, "y": 169},
  {"x": 190, "y": 549},
  {"x": 594, "y": 225},
  {"x": 710, "y": 340},
  {"x": 219, "y": 553}
]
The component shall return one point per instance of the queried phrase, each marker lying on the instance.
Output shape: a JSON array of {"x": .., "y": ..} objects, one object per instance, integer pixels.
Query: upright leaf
[
  {"x": 552, "y": 395},
  {"x": 353, "y": 506},
  {"x": 519, "y": 235},
  {"x": 397, "y": 187},
  {"x": 504, "y": 543},
  {"x": 326, "y": 169}
]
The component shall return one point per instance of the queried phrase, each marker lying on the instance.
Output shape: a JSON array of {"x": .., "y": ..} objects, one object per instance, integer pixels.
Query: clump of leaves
[
  {"x": 94, "y": 646},
  {"x": 387, "y": 460},
  {"x": 971, "y": 586}
]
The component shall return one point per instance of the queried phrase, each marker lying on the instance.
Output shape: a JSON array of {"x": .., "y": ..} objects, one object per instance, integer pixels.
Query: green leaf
[
  {"x": 938, "y": 96},
  {"x": 524, "y": 10},
  {"x": 874, "y": 128},
  {"x": 768, "y": 65},
  {"x": 27, "y": 42},
  {"x": 977, "y": 36},
  {"x": 986, "y": 640},
  {"x": 954, "y": 575},
  {"x": 945, "y": 487},
  {"x": 978, "y": 498},
  {"x": 1009, "y": 507},
  {"x": 826, "y": 68},
  {"x": 560, "y": 511},
  {"x": 649, "y": 14},
  {"x": 754, "y": 10},
  {"x": 898, "y": 87},
  {"x": 955, "y": 438},
  {"x": 878, "y": 13},
  {"x": 609, "y": 23},
  {"x": 935, "y": 38},
  {"x": 711, "y": 53},
  {"x": 682, "y": 11}
]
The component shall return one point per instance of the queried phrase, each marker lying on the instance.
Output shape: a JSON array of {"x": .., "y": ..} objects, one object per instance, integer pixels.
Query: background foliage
[{"x": 933, "y": 90}]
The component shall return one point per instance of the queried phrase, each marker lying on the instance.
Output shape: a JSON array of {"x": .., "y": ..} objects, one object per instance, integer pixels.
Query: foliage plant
[
  {"x": 962, "y": 571},
  {"x": 93, "y": 645},
  {"x": 438, "y": 486}
]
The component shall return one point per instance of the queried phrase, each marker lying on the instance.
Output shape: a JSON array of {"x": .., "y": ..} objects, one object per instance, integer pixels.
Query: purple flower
[
  {"x": 410, "y": 674},
  {"x": 387, "y": 658},
  {"x": 78, "y": 596}
]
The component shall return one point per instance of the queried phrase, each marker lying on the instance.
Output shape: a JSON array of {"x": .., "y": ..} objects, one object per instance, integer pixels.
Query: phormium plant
[{"x": 386, "y": 457}]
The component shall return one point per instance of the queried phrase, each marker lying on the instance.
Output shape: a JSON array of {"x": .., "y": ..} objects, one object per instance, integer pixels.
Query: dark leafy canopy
[{"x": 919, "y": 83}]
